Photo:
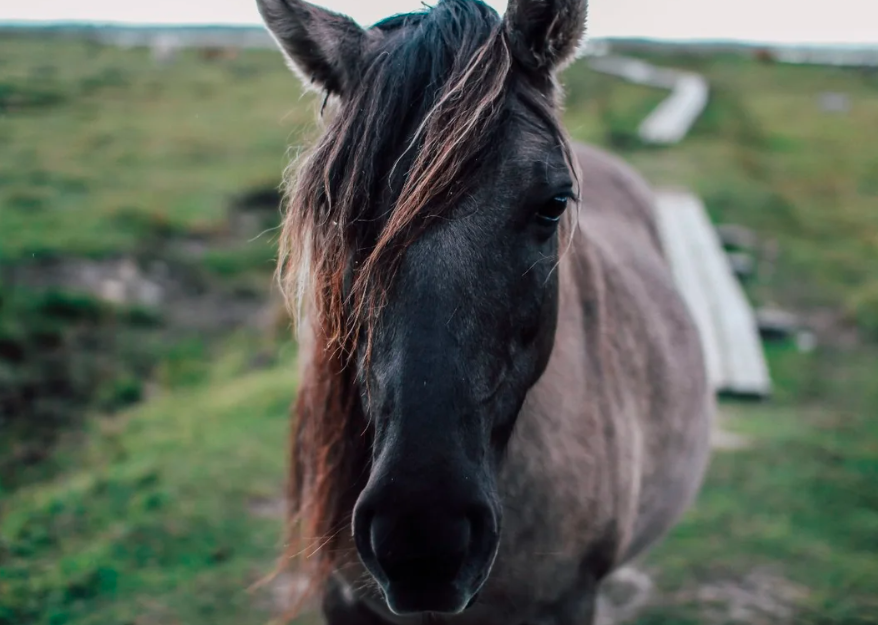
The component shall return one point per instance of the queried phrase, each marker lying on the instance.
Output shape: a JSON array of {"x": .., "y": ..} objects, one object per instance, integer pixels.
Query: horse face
[
  {"x": 467, "y": 325},
  {"x": 466, "y": 331}
]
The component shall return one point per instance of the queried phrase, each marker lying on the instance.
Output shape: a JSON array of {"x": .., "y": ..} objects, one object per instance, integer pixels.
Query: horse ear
[
  {"x": 545, "y": 34},
  {"x": 324, "y": 48}
]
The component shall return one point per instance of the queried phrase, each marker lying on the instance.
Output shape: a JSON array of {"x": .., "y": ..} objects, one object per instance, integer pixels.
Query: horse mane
[
  {"x": 406, "y": 147},
  {"x": 330, "y": 448}
]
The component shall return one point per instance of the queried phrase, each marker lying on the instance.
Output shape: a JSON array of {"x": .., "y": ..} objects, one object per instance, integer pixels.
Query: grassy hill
[{"x": 142, "y": 443}]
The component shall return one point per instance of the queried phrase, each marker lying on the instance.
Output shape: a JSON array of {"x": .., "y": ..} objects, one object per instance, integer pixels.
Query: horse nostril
[
  {"x": 425, "y": 548},
  {"x": 472, "y": 601}
]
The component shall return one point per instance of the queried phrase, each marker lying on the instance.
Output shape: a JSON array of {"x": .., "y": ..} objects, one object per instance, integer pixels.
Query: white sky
[{"x": 782, "y": 21}]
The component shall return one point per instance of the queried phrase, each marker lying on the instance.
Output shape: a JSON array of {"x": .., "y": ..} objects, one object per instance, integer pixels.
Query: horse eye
[{"x": 551, "y": 211}]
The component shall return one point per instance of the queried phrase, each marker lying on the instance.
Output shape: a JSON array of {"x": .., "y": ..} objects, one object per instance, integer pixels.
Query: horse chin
[
  {"x": 408, "y": 599},
  {"x": 422, "y": 596}
]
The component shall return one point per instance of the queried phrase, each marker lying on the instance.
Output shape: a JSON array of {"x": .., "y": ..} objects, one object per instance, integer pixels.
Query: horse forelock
[{"x": 430, "y": 100}]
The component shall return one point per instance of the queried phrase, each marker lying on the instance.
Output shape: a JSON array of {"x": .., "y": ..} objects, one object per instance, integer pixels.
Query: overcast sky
[{"x": 788, "y": 21}]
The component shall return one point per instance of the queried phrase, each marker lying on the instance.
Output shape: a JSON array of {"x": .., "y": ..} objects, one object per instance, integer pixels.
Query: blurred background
[{"x": 146, "y": 365}]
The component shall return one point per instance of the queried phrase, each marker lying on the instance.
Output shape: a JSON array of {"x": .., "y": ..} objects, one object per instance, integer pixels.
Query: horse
[{"x": 502, "y": 396}]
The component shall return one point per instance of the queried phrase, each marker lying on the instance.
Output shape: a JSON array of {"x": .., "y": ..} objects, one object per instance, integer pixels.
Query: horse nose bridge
[
  {"x": 432, "y": 309},
  {"x": 423, "y": 469},
  {"x": 431, "y": 385},
  {"x": 420, "y": 471}
]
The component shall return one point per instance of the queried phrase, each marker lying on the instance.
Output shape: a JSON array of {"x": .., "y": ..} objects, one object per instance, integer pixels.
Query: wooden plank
[
  {"x": 674, "y": 117},
  {"x": 635, "y": 71},
  {"x": 735, "y": 359},
  {"x": 746, "y": 372},
  {"x": 688, "y": 279}
]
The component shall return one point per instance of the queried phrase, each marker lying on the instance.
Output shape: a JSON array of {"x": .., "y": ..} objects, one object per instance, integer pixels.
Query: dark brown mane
[
  {"x": 329, "y": 449},
  {"x": 399, "y": 152}
]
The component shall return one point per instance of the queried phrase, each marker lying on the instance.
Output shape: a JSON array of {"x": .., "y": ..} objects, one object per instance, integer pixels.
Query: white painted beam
[
  {"x": 673, "y": 118},
  {"x": 730, "y": 335}
]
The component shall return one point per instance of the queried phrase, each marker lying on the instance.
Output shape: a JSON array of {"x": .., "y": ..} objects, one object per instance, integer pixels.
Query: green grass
[
  {"x": 124, "y": 146},
  {"x": 143, "y": 516},
  {"x": 150, "y": 524}
]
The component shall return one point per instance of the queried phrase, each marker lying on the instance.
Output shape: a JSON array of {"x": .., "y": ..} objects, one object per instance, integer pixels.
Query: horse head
[{"x": 425, "y": 229}]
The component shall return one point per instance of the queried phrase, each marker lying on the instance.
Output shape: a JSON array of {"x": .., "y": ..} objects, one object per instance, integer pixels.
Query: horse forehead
[
  {"x": 530, "y": 149},
  {"x": 444, "y": 254}
]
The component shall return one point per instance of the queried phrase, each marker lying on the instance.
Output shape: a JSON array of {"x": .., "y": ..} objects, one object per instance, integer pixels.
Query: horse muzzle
[{"x": 426, "y": 560}]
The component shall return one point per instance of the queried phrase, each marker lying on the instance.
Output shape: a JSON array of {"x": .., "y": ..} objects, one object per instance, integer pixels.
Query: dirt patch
[
  {"x": 168, "y": 273},
  {"x": 285, "y": 590},
  {"x": 118, "y": 281},
  {"x": 278, "y": 595},
  {"x": 833, "y": 327},
  {"x": 761, "y": 598},
  {"x": 723, "y": 439},
  {"x": 267, "y": 508},
  {"x": 623, "y": 595},
  {"x": 182, "y": 295}
]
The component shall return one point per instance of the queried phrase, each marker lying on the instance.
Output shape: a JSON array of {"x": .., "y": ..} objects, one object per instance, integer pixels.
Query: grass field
[{"x": 144, "y": 495}]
